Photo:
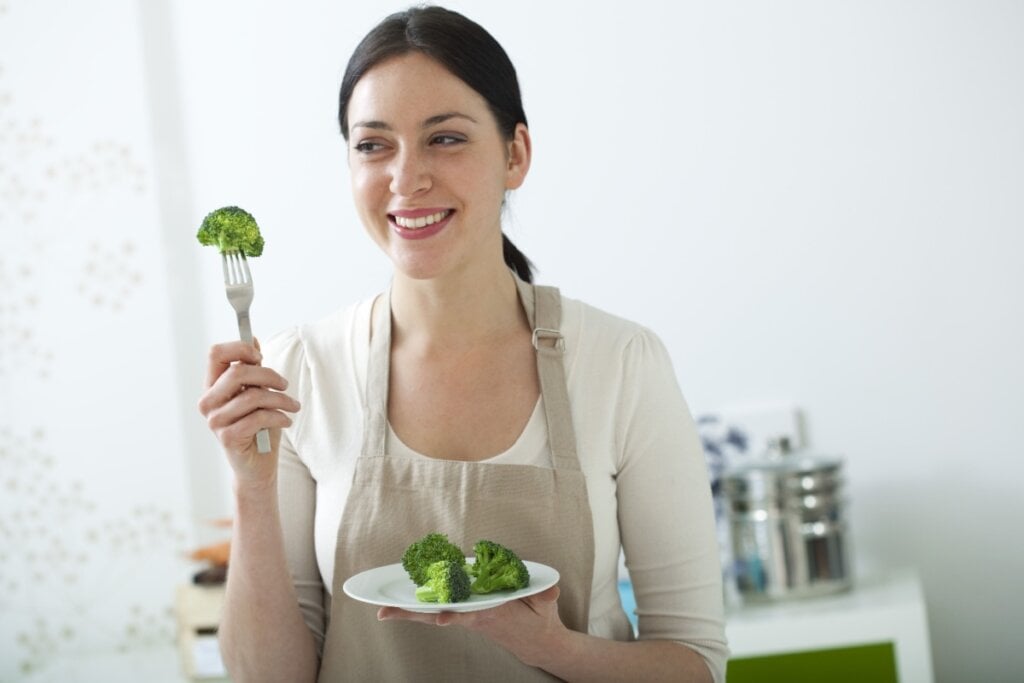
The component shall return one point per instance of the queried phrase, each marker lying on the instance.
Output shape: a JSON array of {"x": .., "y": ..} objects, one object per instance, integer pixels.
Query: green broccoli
[
  {"x": 447, "y": 581},
  {"x": 497, "y": 569},
  {"x": 231, "y": 229},
  {"x": 430, "y": 549}
]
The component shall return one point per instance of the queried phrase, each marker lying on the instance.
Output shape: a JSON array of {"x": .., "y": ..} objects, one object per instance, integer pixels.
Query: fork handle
[
  {"x": 244, "y": 328},
  {"x": 263, "y": 441},
  {"x": 245, "y": 332}
]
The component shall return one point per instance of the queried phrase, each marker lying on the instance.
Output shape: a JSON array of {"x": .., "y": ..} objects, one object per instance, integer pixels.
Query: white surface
[
  {"x": 151, "y": 665},
  {"x": 879, "y": 609},
  {"x": 206, "y": 657},
  {"x": 390, "y": 586}
]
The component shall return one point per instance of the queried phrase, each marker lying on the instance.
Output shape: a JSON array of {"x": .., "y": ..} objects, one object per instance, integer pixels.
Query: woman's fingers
[
  {"x": 223, "y": 355},
  {"x": 544, "y": 600},
  {"x": 234, "y": 380},
  {"x": 253, "y": 401},
  {"x": 240, "y": 376},
  {"x": 548, "y": 595},
  {"x": 242, "y": 430},
  {"x": 242, "y": 396},
  {"x": 385, "y": 613}
]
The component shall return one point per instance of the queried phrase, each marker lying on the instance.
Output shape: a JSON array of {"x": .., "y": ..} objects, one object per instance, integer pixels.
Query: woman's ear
[{"x": 519, "y": 153}]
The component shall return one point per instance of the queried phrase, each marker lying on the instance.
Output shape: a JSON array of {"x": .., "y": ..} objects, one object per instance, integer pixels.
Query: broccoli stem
[{"x": 426, "y": 594}]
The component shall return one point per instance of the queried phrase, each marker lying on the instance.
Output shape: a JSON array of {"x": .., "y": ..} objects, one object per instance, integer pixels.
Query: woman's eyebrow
[
  {"x": 441, "y": 118},
  {"x": 427, "y": 123},
  {"x": 376, "y": 125}
]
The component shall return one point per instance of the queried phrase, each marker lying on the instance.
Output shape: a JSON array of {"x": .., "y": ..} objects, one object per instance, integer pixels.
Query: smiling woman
[
  {"x": 428, "y": 160},
  {"x": 477, "y": 60},
  {"x": 463, "y": 400}
]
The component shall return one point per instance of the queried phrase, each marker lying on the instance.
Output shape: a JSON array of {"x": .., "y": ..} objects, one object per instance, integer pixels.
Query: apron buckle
[{"x": 558, "y": 341}]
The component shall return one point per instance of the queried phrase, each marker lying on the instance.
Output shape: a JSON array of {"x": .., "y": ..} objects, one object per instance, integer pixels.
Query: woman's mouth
[{"x": 417, "y": 224}]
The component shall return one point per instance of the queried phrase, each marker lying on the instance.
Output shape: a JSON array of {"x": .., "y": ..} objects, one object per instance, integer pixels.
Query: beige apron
[{"x": 541, "y": 513}]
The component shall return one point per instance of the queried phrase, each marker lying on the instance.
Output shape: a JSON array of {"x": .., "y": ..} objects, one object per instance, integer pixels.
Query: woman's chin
[{"x": 416, "y": 267}]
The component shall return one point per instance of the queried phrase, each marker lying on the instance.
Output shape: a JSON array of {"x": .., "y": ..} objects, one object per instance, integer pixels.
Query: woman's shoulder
[
  {"x": 610, "y": 349},
  {"x": 596, "y": 328},
  {"x": 335, "y": 332}
]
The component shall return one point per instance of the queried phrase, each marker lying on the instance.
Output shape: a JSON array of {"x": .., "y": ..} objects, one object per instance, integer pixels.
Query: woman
[{"x": 463, "y": 400}]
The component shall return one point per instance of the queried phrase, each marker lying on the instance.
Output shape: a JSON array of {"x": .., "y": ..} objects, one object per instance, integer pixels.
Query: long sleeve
[
  {"x": 665, "y": 511},
  {"x": 297, "y": 490}
]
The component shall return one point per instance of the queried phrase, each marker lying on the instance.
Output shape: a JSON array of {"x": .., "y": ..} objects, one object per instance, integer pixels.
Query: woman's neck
[{"x": 463, "y": 307}]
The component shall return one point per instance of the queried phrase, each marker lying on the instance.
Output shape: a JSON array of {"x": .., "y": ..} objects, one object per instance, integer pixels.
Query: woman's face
[{"x": 430, "y": 168}]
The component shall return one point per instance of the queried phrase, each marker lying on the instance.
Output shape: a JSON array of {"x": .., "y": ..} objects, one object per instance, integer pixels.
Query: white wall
[
  {"x": 810, "y": 201},
  {"x": 95, "y": 513}
]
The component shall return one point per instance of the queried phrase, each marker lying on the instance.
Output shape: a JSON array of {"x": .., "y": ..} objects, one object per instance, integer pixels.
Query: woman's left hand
[{"x": 529, "y": 628}]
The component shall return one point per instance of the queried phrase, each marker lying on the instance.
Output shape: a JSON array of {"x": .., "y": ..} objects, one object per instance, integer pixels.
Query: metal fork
[{"x": 238, "y": 284}]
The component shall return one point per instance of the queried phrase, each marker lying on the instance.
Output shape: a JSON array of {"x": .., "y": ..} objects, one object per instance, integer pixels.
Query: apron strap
[
  {"x": 543, "y": 307},
  {"x": 544, "y": 311},
  {"x": 378, "y": 370}
]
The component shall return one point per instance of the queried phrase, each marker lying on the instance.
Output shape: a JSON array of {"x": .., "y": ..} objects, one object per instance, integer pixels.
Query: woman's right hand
[{"x": 240, "y": 399}]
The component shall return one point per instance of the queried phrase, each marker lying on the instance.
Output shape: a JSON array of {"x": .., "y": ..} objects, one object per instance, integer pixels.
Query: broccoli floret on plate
[
  {"x": 497, "y": 569},
  {"x": 447, "y": 581},
  {"x": 432, "y": 548}
]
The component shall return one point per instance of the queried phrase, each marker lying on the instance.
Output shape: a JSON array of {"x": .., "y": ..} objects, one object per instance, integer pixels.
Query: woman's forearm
[
  {"x": 588, "y": 658},
  {"x": 262, "y": 635}
]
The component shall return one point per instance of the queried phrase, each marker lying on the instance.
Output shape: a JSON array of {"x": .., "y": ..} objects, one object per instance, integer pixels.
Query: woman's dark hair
[{"x": 467, "y": 50}]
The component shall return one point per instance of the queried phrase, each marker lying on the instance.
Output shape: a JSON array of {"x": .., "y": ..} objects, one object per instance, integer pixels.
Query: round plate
[{"x": 390, "y": 586}]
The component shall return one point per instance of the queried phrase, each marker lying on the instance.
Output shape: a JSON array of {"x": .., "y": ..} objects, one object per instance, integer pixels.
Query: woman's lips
[{"x": 419, "y": 223}]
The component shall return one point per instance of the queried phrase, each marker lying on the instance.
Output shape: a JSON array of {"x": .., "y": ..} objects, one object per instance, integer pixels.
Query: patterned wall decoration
[
  {"x": 58, "y": 542},
  {"x": 109, "y": 276},
  {"x": 91, "y": 541},
  {"x": 19, "y": 297},
  {"x": 20, "y": 349}
]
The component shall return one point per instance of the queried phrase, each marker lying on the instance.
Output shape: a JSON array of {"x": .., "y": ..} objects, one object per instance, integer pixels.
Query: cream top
[{"x": 638, "y": 448}]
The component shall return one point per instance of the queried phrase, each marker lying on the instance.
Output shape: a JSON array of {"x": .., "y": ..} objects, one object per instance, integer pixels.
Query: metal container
[{"x": 788, "y": 526}]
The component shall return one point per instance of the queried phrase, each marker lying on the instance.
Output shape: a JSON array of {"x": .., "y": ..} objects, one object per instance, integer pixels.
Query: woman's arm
[
  {"x": 597, "y": 659},
  {"x": 665, "y": 510},
  {"x": 532, "y": 630},
  {"x": 262, "y": 634}
]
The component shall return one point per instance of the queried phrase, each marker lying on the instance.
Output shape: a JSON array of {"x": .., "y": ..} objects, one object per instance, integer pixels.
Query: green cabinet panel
[{"x": 875, "y": 663}]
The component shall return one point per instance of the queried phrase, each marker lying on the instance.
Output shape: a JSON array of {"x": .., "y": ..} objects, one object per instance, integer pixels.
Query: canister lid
[{"x": 782, "y": 473}]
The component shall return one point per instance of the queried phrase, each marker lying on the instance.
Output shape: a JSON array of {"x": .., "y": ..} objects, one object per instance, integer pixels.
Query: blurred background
[{"x": 814, "y": 204}]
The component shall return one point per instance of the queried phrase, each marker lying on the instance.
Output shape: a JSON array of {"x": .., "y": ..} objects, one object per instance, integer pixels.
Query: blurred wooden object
[
  {"x": 216, "y": 554},
  {"x": 197, "y": 610}
]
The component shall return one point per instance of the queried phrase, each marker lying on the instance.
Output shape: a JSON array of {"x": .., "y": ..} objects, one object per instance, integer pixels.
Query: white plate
[{"x": 390, "y": 586}]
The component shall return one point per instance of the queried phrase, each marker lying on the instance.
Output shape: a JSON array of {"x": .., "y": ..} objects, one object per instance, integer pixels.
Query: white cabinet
[{"x": 884, "y": 609}]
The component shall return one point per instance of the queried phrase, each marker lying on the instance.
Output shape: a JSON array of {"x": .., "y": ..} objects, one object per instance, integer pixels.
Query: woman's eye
[
  {"x": 446, "y": 140},
  {"x": 367, "y": 146}
]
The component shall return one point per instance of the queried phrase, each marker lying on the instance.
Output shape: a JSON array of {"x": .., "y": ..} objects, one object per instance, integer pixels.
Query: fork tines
[{"x": 236, "y": 268}]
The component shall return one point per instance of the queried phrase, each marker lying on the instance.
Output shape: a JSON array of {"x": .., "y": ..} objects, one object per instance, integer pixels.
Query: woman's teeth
[{"x": 422, "y": 221}]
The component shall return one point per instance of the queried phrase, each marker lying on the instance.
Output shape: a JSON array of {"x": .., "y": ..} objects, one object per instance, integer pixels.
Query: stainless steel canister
[{"x": 788, "y": 526}]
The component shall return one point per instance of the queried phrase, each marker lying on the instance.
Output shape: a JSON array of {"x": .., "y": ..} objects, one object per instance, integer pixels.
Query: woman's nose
[{"x": 410, "y": 174}]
